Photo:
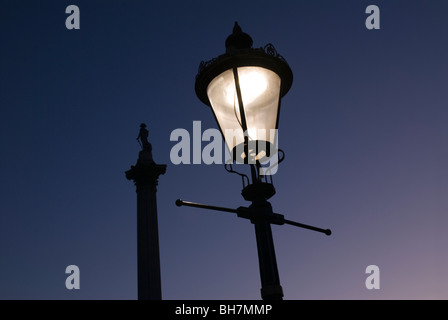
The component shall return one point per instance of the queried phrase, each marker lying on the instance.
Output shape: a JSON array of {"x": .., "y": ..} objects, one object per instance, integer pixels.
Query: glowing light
[{"x": 252, "y": 83}]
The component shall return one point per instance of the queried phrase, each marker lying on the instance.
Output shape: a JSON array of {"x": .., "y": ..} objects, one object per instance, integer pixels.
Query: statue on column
[{"x": 146, "y": 153}]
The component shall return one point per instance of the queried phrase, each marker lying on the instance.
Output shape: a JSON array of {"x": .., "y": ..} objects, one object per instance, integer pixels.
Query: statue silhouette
[
  {"x": 143, "y": 137},
  {"x": 144, "y": 143}
]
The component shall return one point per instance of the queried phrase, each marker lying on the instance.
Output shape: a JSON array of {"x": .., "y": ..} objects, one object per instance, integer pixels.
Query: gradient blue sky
[{"x": 364, "y": 129}]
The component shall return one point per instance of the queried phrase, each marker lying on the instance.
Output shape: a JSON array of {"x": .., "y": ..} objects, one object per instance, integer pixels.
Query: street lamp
[{"x": 244, "y": 87}]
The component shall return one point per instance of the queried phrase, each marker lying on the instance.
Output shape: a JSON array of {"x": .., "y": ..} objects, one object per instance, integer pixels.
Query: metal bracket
[{"x": 249, "y": 213}]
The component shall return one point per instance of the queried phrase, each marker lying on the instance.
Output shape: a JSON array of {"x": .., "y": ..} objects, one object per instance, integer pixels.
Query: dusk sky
[{"x": 363, "y": 127}]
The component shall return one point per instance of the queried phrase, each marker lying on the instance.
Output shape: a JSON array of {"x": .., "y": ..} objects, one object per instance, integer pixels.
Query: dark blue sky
[{"x": 364, "y": 129}]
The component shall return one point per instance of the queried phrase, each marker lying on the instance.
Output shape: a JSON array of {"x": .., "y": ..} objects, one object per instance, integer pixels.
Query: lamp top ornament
[
  {"x": 240, "y": 53},
  {"x": 238, "y": 40}
]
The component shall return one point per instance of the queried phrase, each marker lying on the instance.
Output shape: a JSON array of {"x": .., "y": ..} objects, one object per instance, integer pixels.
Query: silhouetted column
[{"x": 145, "y": 175}]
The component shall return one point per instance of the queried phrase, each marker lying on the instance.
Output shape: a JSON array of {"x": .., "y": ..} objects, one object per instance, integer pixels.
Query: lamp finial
[{"x": 238, "y": 40}]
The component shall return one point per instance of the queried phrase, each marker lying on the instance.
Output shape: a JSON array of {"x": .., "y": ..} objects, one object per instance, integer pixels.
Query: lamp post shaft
[{"x": 270, "y": 280}]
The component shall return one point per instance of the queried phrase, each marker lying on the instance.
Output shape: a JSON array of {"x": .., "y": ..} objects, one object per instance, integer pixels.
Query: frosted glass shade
[{"x": 260, "y": 93}]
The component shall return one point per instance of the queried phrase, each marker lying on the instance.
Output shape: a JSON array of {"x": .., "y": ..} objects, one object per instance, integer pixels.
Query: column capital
[{"x": 145, "y": 173}]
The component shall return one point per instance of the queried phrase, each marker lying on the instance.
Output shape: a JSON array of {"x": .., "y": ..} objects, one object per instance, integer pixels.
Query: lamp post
[{"x": 244, "y": 87}]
